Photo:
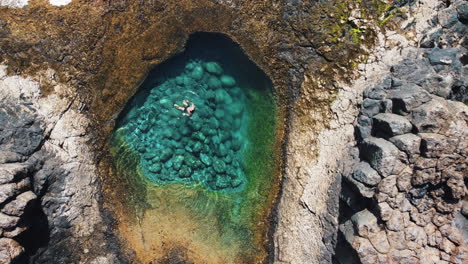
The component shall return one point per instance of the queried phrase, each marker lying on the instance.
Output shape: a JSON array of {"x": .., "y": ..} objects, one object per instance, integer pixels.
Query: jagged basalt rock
[
  {"x": 417, "y": 204},
  {"x": 387, "y": 125}
]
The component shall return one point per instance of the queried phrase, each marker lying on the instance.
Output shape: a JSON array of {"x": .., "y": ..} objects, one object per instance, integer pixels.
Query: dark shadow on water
[{"x": 207, "y": 47}]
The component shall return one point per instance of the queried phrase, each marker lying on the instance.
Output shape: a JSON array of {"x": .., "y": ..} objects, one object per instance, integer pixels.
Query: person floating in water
[{"x": 187, "y": 109}]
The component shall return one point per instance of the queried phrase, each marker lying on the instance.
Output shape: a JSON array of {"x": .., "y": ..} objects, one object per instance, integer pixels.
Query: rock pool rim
[{"x": 267, "y": 216}]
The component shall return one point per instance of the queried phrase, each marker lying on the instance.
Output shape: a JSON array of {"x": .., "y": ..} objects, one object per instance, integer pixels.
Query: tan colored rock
[
  {"x": 15, "y": 232},
  {"x": 430, "y": 229},
  {"x": 367, "y": 253},
  {"x": 381, "y": 197},
  {"x": 440, "y": 220},
  {"x": 452, "y": 233},
  {"x": 7, "y": 221},
  {"x": 396, "y": 201},
  {"x": 422, "y": 219},
  {"x": 12, "y": 171},
  {"x": 365, "y": 223},
  {"x": 425, "y": 163},
  {"x": 388, "y": 186},
  {"x": 380, "y": 242},
  {"x": 404, "y": 180},
  {"x": 403, "y": 257},
  {"x": 385, "y": 211},
  {"x": 397, "y": 240},
  {"x": 429, "y": 255},
  {"x": 7, "y": 191},
  {"x": 424, "y": 176},
  {"x": 20, "y": 204},
  {"x": 457, "y": 187},
  {"x": 447, "y": 246},
  {"x": 405, "y": 206},
  {"x": 9, "y": 250},
  {"x": 396, "y": 221},
  {"x": 434, "y": 145},
  {"x": 434, "y": 239},
  {"x": 416, "y": 234}
]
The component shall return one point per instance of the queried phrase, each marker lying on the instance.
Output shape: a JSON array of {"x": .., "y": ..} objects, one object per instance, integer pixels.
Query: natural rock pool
[{"x": 200, "y": 139}]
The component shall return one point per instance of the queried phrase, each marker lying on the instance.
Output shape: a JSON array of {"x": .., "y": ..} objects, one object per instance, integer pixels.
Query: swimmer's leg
[{"x": 179, "y": 107}]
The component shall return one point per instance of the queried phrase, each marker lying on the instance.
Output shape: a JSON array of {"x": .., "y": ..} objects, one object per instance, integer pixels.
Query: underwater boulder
[
  {"x": 165, "y": 103},
  {"x": 222, "y": 182},
  {"x": 228, "y": 81},
  {"x": 155, "y": 168},
  {"x": 221, "y": 96},
  {"x": 197, "y": 147},
  {"x": 219, "y": 166},
  {"x": 222, "y": 150},
  {"x": 219, "y": 113},
  {"x": 197, "y": 73},
  {"x": 213, "y": 68},
  {"x": 235, "y": 108},
  {"x": 166, "y": 154},
  {"x": 185, "y": 172},
  {"x": 214, "y": 83},
  {"x": 177, "y": 162},
  {"x": 179, "y": 80},
  {"x": 205, "y": 159}
]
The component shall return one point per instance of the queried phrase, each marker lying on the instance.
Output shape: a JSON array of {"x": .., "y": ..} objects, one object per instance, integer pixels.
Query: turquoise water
[{"x": 207, "y": 148}]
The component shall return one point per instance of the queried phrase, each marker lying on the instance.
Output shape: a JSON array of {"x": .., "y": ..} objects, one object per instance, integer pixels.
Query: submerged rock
[
  {"x": 214, "y": 68},
  {"x": 228, "y": 81}
]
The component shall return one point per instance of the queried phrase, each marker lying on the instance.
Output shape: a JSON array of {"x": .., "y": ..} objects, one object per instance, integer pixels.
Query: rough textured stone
[
  {"x": 7, "y": 221},
  {"x": 364, "y": 223},
  {"x": 347, "y": 229},
  {"x": 13, "y": 171},
  {"x": 371, "y": 107},
  {"x": 408, "y": 143},
  {"x": 417, "y": 234},
  {"x": 382, "y": 155},
  {"x": 396, "y": 221},
  {"x": 442, "y": 56},
  {"x": 302, "y": 247},
  {"x": 462, "y": 10},
  {"x": 365, "y": 174},
  {"x": 15, "y": 232},
  {"x": 408, "y": 98},
  {"x": 380, "y": 242},
  {"x": 430, "y": 117},
  {"x": 9, "y": 250},
  {"x": 387, "y": 125},
  {"x": 365, "y": 250},
  {"x": 7, "y": 191},
  {"x": 403, "y": 256},
  {"x": 388, "y": 186},
  {"x": 361, "y": 189},
  {"x": 18, "y": 206},
  {"x": 9, "y": 157},
  {"x": 434, "y": 145}
]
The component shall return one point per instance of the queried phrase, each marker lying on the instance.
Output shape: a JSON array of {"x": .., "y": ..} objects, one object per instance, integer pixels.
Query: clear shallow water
[
  {"x": 210, "y": 178},
  {"x": 204, "y": 148}
]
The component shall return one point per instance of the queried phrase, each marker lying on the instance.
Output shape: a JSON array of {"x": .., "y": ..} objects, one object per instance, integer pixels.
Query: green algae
[{"x": 219, "y": 164}]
